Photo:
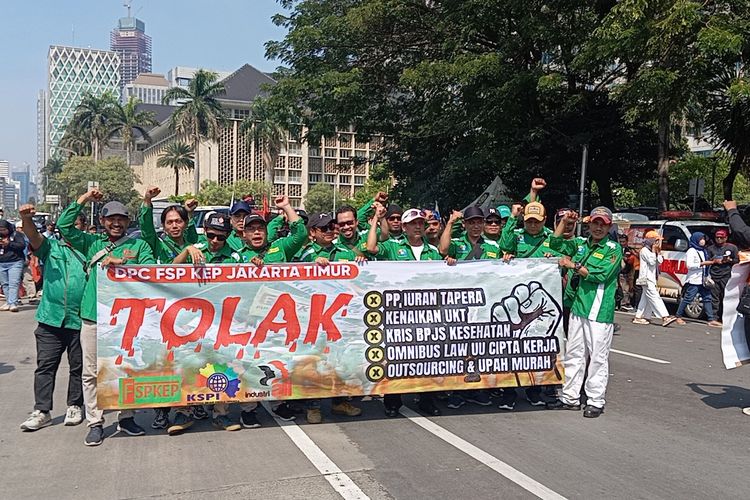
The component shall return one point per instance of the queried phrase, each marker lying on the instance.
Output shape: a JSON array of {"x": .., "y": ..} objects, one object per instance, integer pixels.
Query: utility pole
[{"x": 582, "y": 187}]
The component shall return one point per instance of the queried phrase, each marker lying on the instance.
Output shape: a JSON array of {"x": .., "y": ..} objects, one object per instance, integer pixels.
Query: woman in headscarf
[
  {"x": 697, "y": 266},
  {"x": 12, "y": 259},
  {"x": 651, "y": 302}
]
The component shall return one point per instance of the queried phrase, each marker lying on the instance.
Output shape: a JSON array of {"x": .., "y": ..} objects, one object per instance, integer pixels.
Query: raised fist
[
  {"x": 516, "y": 210},
  {"x": 537, "y": 184},
  {"x": 455, "y": 216},
  {"x": 379, "y": 211},
  {"x": 191, "y": 204},
  {"x": 531, "y": 311},
  {"x": 151, "y": 193},
  {"x": 281, "y": 201},
  {"x": 381, "y": 197},
  {"x": 26, "y": 210}
]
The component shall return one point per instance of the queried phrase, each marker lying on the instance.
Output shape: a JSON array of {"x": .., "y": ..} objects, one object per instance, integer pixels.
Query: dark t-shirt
[
  {"x": 717, "y": 252},
  {"x": 14, "y": 251}
]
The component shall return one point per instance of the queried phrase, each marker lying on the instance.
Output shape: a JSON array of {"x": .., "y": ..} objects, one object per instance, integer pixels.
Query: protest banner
[
  {"x": 734, "y": 347},
  {"x": 174, "y": 335}
]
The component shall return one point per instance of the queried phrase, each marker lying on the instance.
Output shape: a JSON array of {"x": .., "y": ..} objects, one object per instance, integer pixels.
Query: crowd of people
[{"x": 597, "y": 272}]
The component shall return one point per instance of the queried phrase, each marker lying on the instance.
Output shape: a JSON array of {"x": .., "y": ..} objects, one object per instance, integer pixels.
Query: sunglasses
[
  {"x": 348, "y": 223},
  {"x": 216, "y": 236},
  {"x": 394, "y": 218},
  {"x": 329, "y": 227},
  {"x": 493, "y": 222}
]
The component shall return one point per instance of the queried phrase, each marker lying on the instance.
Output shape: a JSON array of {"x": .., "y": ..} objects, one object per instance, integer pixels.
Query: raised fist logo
[{"x": 531, "y": 311}]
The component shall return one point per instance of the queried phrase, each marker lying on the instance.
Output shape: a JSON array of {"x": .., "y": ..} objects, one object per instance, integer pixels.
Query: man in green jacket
[
  {"x": 59, "y": 320},
  {"x": 594, "y": 280},
  {"x": 257, "y": 248},
  {"x": 177, "y": 221},
  {"x": 112, "y": 247}
]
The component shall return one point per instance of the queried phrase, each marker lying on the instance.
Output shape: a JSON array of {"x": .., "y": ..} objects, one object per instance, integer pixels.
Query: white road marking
[
  {"x": 639, "y": 356},
  {"x": 485, "y": 458},
  {"x": 340, "y": 482}
]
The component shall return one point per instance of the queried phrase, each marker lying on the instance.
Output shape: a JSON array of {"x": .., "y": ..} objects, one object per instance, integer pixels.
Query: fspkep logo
[
  {"x": 218, "y": 379},
  {"x": 139, "y": 390}
]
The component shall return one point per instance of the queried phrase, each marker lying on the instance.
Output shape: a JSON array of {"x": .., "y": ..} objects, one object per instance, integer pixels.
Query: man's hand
[
  {"x": 360, "y": 259},
  {"x": 565, "y": 262},
  {"x": 381, "y": 197},
  {"x": 455, "y": 216},
  {"x": 322, "y": 262},
  {"x": 530, "y": 309},
  {"x": 537, "y": 184},
  {"x": 196, "y": 256},
  {"x": 570, "y": 216},
  {"x": 151, "y": 193},
  {"x": 379, "y": 212},
  {"x": 92, "y": 194},
  {"x": 516, "y": 210},
  {"x": 190, "y": 205},
  {"x": 281, "y": 202},
  {"x": 257, "y": 261},
  {"x": 507, "y": 257},
  {"x": 27, "y": 211},
  {"x": 730, "y": 205},
  {"x": 451, "y": 261},
  {"x": 110, "y": 260}
]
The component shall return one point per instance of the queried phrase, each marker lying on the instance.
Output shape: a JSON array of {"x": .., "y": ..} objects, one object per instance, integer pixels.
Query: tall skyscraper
[
  {"x": 72, "y": 71},
  {"x": 5, "y": 169},
  {"x": 133, "y": 45},
  {"x": 42, "y": 137}
]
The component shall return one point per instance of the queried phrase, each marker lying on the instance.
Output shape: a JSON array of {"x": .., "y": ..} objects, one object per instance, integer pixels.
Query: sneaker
[
  {"x": 627, "y": 308},
  {"x": 746, "y": 411},
  {"x": 13, "y": 308},
  {"x": 224, "y": 422},
  {"x": 481, "y": 398},
  {"x": 284, "y": 412},
  {"x": 313, "y": 416},
  {"x": 715, "y": 324},
  {"x": 559, "y": 404},
  {"x": 507, "y": 405},
  {"x": 5, "y": 307},
  {"x": 95, "y": 436},
  {"x": 128, "y": 426},
  {"x": 427, "y": 406},
  {"x": 33, "y": 301},
  {"x": 36, "y": 421},
  {"x": 161, "y": 419},
  {"x": 391, "y": 411},
  {"x": 73, "y": 415},
  {"x": 182, "y": 422},
  {"x": 346, "y": 408},
  {"x": 200, "y": 413},
  {"x": 455, "y": 401},
  {"x": 592, "y": 411},
  {"x": 249, "y": 420},
  {"x": 536, "y": 400}
]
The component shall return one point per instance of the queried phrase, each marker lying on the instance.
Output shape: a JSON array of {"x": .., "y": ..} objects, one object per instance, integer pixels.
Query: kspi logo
[
  {"x": 218, "y": 379},
  {"x": 139, "y": 390}
]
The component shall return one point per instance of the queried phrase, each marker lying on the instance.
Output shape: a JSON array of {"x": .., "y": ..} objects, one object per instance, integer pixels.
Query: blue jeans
[
  {"x": 690, "y": 292},
  {"x": 10, "y": 279}
]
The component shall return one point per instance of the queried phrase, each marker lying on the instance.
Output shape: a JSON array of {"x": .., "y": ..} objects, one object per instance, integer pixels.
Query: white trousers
[
  {"x": 94, "y": 415},
  {"x": 651, "y": 303},
  {"x": 587, "y": 340}
]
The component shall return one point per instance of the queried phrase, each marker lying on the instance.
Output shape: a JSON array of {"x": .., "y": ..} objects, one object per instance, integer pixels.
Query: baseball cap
[
  {"x": 534, "y": 210},
  {"x": 240, "y": 206},
  {"x": 602, "y": 213},
  {"x": 303, "y": 215},
  {"x": 217, "y": 221},
  {"x": 320, "y": 220},
  {"x": 473, "y": 212},
  {"x": 721, "y": 233},
  {"x": 254, "y": 218},
  {"x": 504, "y": 211},
  {"x": 393, "y": 209},
  {"x": 412, "y": 214},
  {"x": 492, "y": 212},
  {"x": 114, "y": 208},
  {"x": 653, "y": 235}
]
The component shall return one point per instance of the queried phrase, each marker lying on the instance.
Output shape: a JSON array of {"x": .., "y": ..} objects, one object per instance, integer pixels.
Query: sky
[{"x": 214, "y": 34}]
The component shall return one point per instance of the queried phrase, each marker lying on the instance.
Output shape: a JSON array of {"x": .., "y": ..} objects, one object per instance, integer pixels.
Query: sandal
[
  {"x": 668, "y": 321},
  {"x": 641, "y": 321},
  {"x": 680, "y": 321}
]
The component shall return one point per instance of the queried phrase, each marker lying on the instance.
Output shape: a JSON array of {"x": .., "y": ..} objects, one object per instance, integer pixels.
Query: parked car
[
  {"x": 673, "y": 270},
  {"x": 200, "y": 213}
]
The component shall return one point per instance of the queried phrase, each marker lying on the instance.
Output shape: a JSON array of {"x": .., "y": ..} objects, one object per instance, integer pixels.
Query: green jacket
[
  {"x": 281, "y": 250},
  {"x": 225, "y": 255},
  {"x": 63, "y": 274},
  {"x": 395, "y": 250},
  {"x": 89, "y": 245},
  {"x": 460, "y": 248},
  {"x": 520, "y": 243},
  {"x": 164, "y": 249},
  {"x": 595, "y": 297},
  {"x": 358, "y": 244},
  {"x": 334, "y": 253},
  {"x": 234, "y": 241}
]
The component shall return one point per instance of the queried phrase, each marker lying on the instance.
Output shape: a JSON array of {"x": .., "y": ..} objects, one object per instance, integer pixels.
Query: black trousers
[
  {"x": 394, "y": 400},
  {"x": 717, "y": 295},
  {"x": 51, "y": 343}
]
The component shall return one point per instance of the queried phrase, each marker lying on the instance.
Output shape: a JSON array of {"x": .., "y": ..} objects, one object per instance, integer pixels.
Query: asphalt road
[{"x": 670, "y": 430}]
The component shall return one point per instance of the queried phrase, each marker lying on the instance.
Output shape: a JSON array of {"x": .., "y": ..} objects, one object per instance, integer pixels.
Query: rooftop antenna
[{"x": 127, "y": 6}]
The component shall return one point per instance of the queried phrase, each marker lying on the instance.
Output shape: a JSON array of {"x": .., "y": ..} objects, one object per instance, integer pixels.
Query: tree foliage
[
  {"x": 212, "y": 193},
  {"x": 115, "y": 179},
  {"x": 177, "y": 156}
]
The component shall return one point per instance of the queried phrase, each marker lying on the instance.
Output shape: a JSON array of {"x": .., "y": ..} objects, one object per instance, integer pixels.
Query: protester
[
  {"x": 257, "y": 247},
  {"x": 724, "y": 255},
  {"x": 112, "y": 247},
  {"x": 349, "y": 235},
  {"x": 697, "y": 271},
  {"x": 433, "y": 229},
  {"x": 59, "y": 323},
  {"x": 592, "y": 313},
  {"x": 50, "y": 232},
  {"x": 393, "y": 217},
  {"x": 238, "y": 212},
  {"x": 494, "y": 222},
  {"x": 651, "y": 302},
  {"x": 12, "y": 261},
  {"x": 27, "y": 281},
  {"x": 626, "y": 274}
]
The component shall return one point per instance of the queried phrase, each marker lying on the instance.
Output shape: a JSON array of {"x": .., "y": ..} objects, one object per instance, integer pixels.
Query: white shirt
[
  {"x": 649, "y": 262},
  {"x": 695, "y": 271},
  {"x": 417, "y": 251}
]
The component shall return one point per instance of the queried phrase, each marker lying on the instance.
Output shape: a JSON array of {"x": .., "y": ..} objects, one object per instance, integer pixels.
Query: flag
[
  {"x": 437, "y": 212},
  {"x": 495, "y": 194},
  {"x": 265, "y": 205}
]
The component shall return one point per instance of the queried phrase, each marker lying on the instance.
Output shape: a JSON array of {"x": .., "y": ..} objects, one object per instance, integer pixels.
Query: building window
[
  {"x": 315, "y": 165},
  {"x": 330, "y": 178},
  {"x": 330, "y": 153},
  {"x": 313, "y": 152},
  {"x": 345, "y": 179},
  {"x": 279, "y": 175},
  {"x": 345, "y": 153},
  {"x": 295, "y": 148},
  {"x": 314, "y": 178},
  {"x": 295, "y": 176},
  {"x": 359, "y": 180},
  {"x": 295, "y": 202},
  {"x": 240, "y": 114}
]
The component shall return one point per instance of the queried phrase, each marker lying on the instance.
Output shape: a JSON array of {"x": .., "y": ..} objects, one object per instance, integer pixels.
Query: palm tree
[
  {"x": 127, "y": 120},
  {"x": 200, "y": 115},
  {"x": 75, "y": 141},
  {"x": 178, "y": 156},
  {"x": 728, "y": 120},
  {"x": 265, "y": 129},
  {"x": 93, "y": 119}
]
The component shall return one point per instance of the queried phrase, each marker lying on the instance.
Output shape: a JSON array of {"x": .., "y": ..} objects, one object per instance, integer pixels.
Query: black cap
[
  {"x": 217, "y": 221},
  {"x": 492, "y": 212},
  {"x": 473, "y": 212},
  {"x": 240, "y": 206},
  {"x": 254, "y": 218},
  {"x": 303, "y": 215},
  {"x": 114, "y": 208},
  {"x": 320, "y": 220},
  {"x": 393, "y": 209}
]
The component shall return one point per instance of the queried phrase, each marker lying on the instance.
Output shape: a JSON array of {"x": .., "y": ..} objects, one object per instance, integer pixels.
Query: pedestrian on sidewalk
[
  {"x": 59, "y": 325},
  {"x": 651, "y": 302},
  {"x": 695, "y": 282}
]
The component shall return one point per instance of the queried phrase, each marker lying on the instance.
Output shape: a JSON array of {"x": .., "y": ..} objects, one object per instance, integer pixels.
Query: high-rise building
[
  {"x": 73, "y": 71},
  {"x": 22, "y": 176},
  {"x": 130, "y": 41},
  {"x": 181, "y": 76},
  {"x": 5, "y": 169},
  {"x": 148, "y": 87},
  {"x": 41, "y": 131}
]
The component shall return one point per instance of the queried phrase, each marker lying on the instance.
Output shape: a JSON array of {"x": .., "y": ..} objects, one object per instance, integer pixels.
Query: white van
[{"x": 676, "y": 234}]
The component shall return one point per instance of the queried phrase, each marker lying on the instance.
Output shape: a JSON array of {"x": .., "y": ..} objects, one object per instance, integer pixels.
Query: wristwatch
[{"x": 578, "y": 267}]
